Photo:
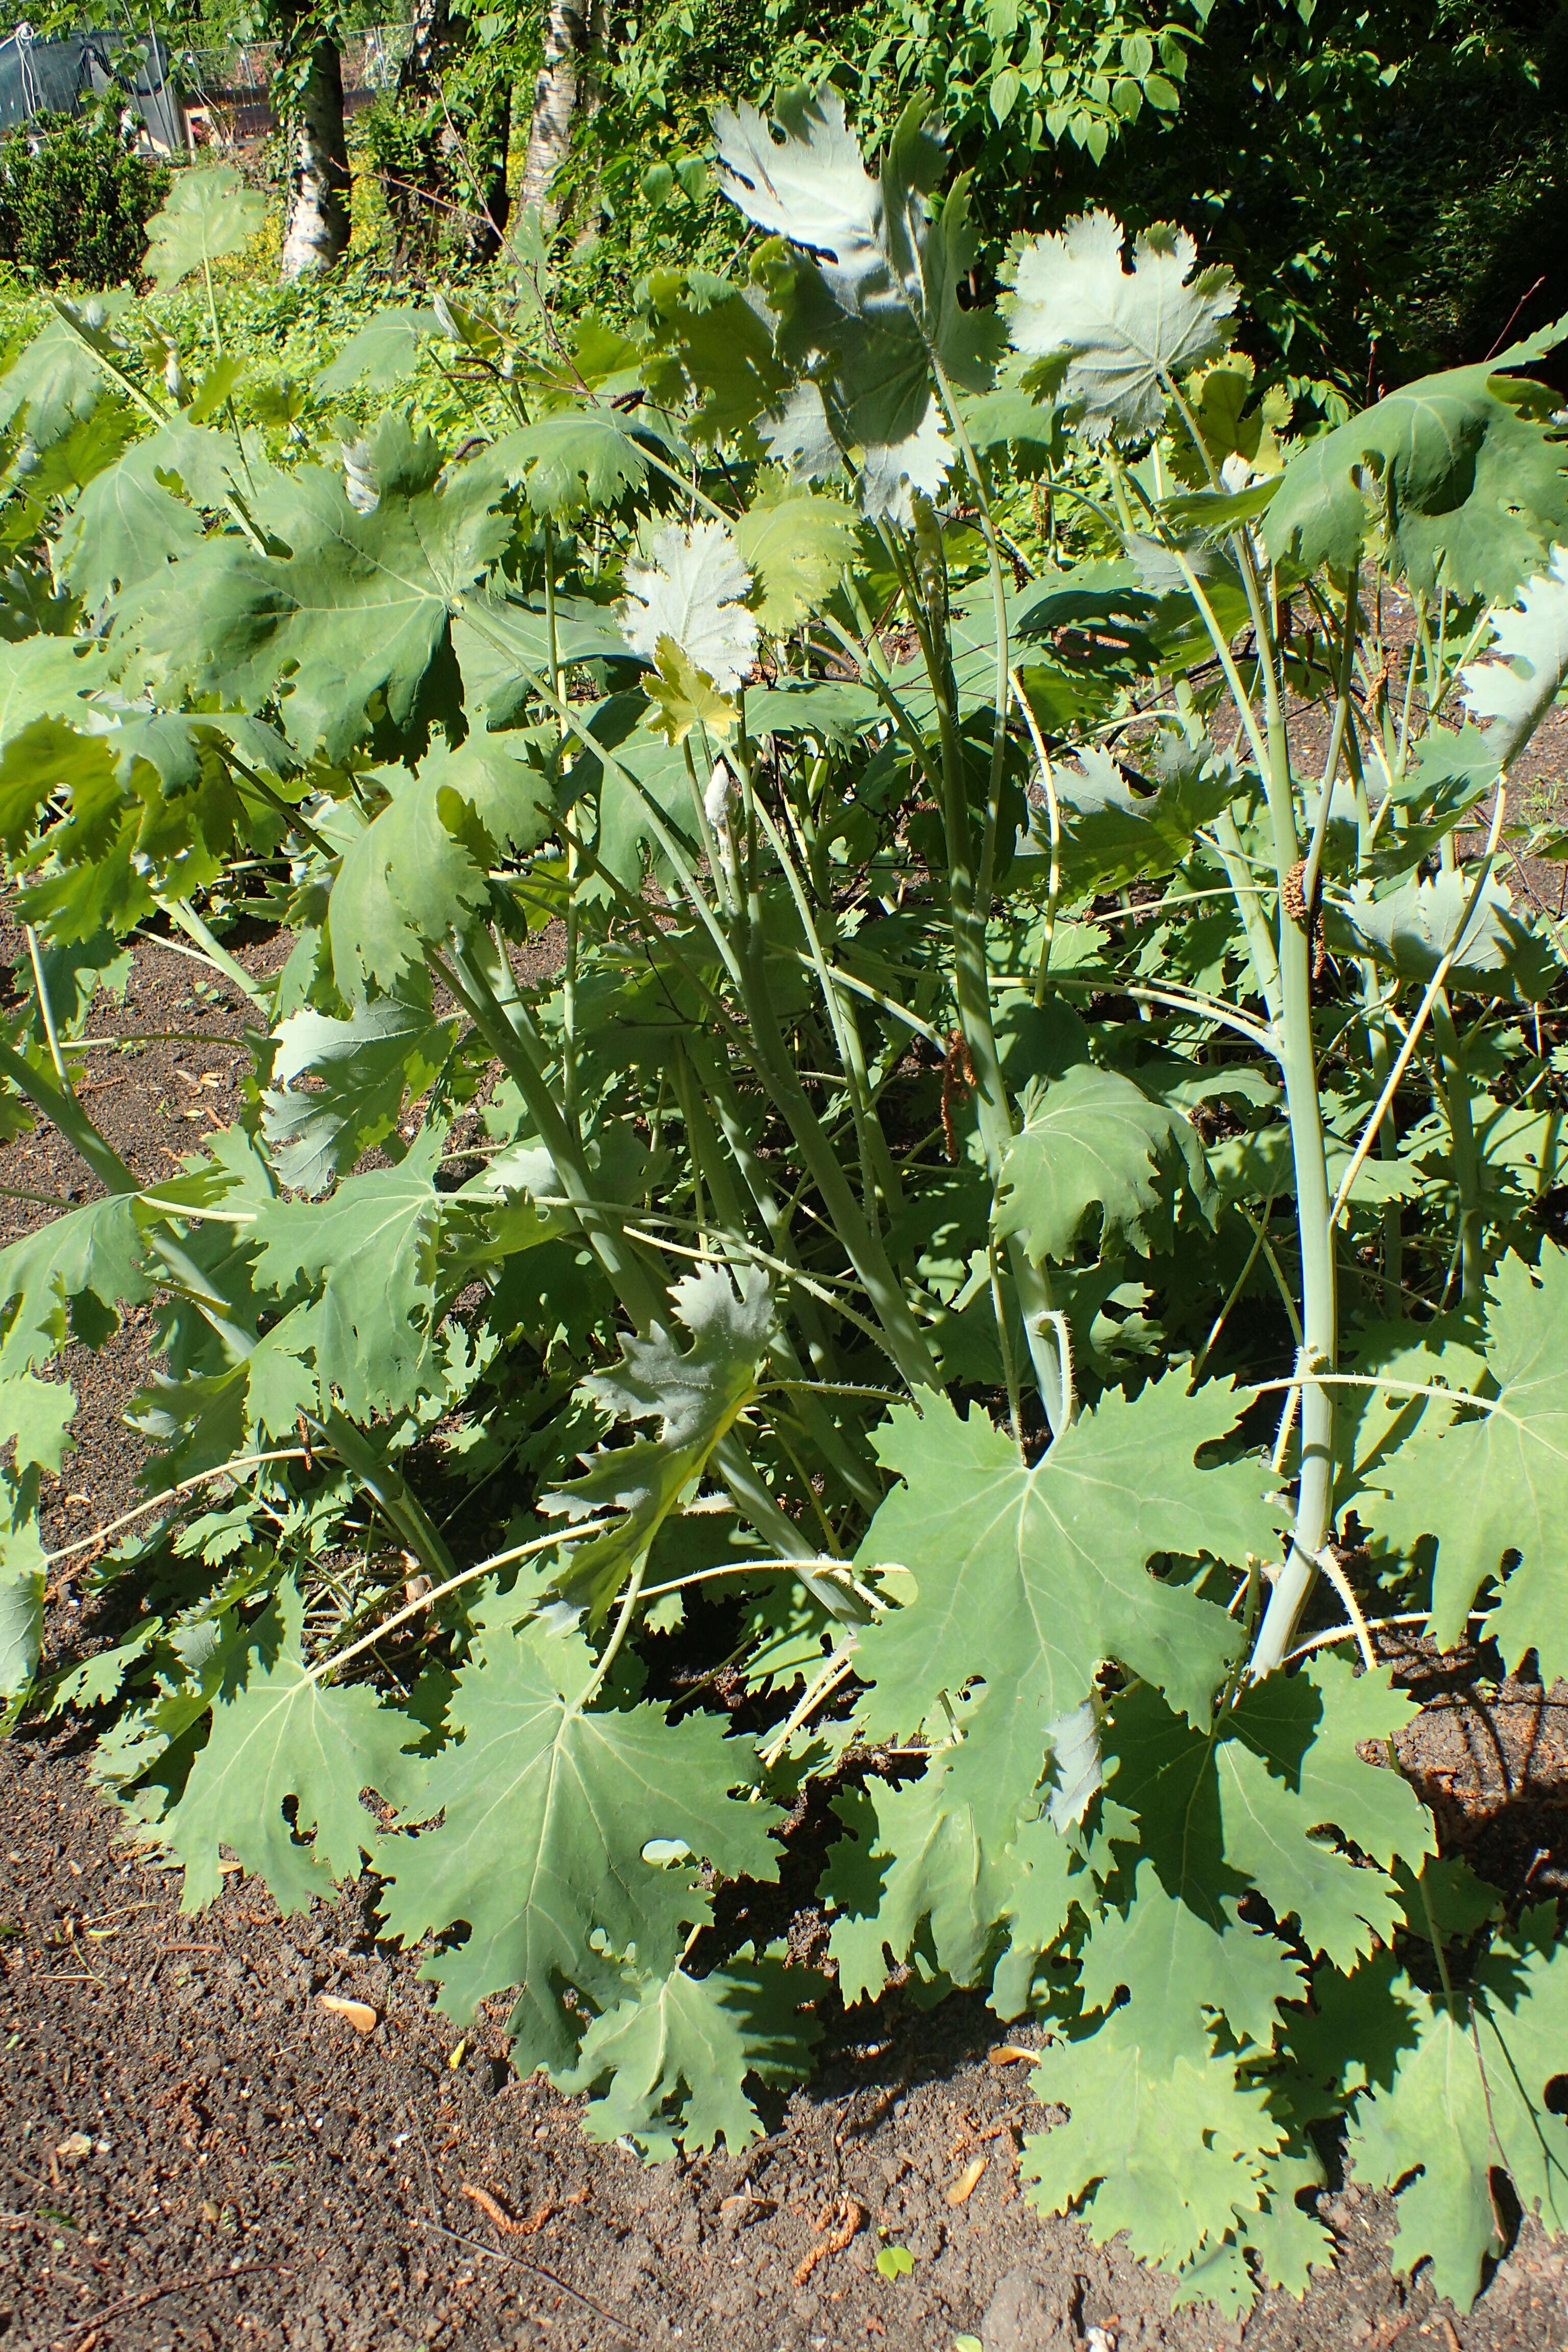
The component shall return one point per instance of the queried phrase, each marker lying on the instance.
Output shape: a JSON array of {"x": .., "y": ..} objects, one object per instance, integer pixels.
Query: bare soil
[{"x": 195, "y": 2152}]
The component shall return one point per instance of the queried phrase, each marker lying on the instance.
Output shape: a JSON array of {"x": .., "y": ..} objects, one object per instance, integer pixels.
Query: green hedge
[{"x": 76, "y": 204}]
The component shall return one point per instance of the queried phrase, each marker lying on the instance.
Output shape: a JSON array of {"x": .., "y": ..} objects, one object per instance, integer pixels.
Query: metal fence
[{"x": 228, "y": 91}]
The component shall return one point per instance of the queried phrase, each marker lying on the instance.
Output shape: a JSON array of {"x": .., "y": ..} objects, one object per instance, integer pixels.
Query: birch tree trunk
[
  {"x": 311, "y": 67},
  {"x": 555, "y": 93}
]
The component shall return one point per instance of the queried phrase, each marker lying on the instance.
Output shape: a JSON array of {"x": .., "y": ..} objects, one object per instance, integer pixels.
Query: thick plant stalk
[
  {"x": 1299, "y": 1063},
  {"x": 317, "y": 234},
  {"x": 507, "y": 1030},
  {"x": 1462, "y": 1143}
]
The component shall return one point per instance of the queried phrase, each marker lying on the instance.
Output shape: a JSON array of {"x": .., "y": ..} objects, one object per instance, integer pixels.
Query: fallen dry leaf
[
  {"x": 75, "y": 2144},
  {"x": 359, "y": 2014},
  {"x": 959, "y": 2189},
  {"x": 1008, "y": 2053}
]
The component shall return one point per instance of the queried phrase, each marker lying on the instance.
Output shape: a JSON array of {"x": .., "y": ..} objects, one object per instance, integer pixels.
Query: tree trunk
[
  {"x": 566, "y": 46},
  {"x": 415, "y": 192},
  {"x": 486, "y": 227},
  {"x": 318, "y": 227}
]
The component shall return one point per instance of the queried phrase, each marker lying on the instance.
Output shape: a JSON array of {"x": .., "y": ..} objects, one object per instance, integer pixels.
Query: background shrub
[{"x": 76, "y": 204}]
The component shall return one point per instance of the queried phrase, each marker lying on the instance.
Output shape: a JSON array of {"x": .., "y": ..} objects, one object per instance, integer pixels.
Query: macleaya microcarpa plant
[{"x": 1015, "y": 1234}]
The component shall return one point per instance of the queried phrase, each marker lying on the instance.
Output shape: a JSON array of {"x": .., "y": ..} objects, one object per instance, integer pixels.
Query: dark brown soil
[{"x": 196, "y": 2153}]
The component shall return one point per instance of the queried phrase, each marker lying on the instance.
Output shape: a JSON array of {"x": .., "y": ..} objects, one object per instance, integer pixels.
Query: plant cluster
[
  {"x": 76, "y": 197},
  {"x": 1010, "y": 1249}
]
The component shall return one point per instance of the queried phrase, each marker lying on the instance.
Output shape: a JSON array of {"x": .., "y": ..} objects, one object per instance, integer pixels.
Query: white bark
[
  {"x": 567, "y": 45},
  {"x": 318, "y": 228}
]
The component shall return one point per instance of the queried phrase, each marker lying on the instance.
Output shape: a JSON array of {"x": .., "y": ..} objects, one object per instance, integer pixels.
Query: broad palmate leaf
[
  {"x": 1496, "y": 1481},
  {"x": 360, "y": 1071},
  {"x": 1460, "y": 476},
  {"x": 679, "y": 2052},
  {"x": 964, "y": 1860},
  {"x": 360, "y": 605},
  {"x": 1470, "y": 2096},
  {"x": 1411, "y": 931},
  {"x": 546, "y": 1813},
  {"x": 689, "y": 592},
  {"x": 695, "y": 1398},
  {"x": 1129, "y": 333},
  {"x": 206, "y": 215},
  {"x": 1271, "y": 1800},
  {"x": 367, "y": 1256},
  {"x": 1171, "y": 2148},
  {"x": 1092, "y": 1138},
  {"x": 1034, "y": 1577},
  {"x": 871, "y": 295},
  {"x": 796, "y": 545},
  {"x": 1517, "y": 687},
  {"x": 280, "y": 1739}
]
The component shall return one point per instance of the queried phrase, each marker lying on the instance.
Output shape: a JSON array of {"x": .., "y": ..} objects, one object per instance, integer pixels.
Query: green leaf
[
  {"x": 1130, "y": 333},
  {"x": 545, "y": 1815},
  {"x": 1113, "y": 835},
  {"x": 1411, "y": 931},
  {"x": 205, "y": 217},
  {"x": 279, "y": 1740},
  {"x": 796, "y": 545},
  {"x": 56, "y": 382},
  {"x": 1169, "y": 2148},
  {"x": 1092, "y": 1138},
  {"x": 683, "y": 697},
  {"x": 1267, "y": 1804},
  {"x": 24, "y": 1573},
  {"x": 36, "y": 1418},
  {"x": 960, "y": 1861},
  {"x": 1517, "y": 688},
  {"x": 687, "y": 597},
  {"x": 872, "y": 285},
  {"x": 713, "y": 344},
  {"x": 695, "y": 1398},
  {"x": 1469, "y": 2096},
  {"x": 680, "y": 2053},
  {"x": 895, "y": 2263},
  {"x": 583, "y": 459},
  {"x": 405, "y": 881},
  {"x": 361, "y": 1070},
  {"x": 146, "y": 510},
  {"x": 381, "y": 352},
  {"x": 68, "y": 1280},
  {"x": 1034, "y": 1577},
  {"x": 368, "y": 1256},
  {"x": 359, "y": 607},
  {"x": 1496, "y": 1481},
  {"x": 1179, "y": 1966},
  {"x": 1459, "y": 474}
]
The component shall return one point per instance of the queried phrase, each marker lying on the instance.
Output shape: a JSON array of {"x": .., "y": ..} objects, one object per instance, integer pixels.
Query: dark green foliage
[{"x": 75, "y": 200}]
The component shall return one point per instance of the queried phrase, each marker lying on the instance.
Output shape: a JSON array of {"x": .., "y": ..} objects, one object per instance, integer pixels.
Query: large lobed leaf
[
  {"x": 1128, "y": 334},
  {"x": 286, "y": 1760},
  {"x": 695, "y": 1397},
  {"x": 1472, "y": 2095},
  {"x": 1495, "y": 1483},
  {"x": 1093, "y": 1139},
  {"x": 1034, "y": 1577},
  {"x": 1460, "y": 477},
  {"x": 359, "y": 606},
  {"x": 870, "y": 297},
  {"x": 546, "y": 1813}
]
